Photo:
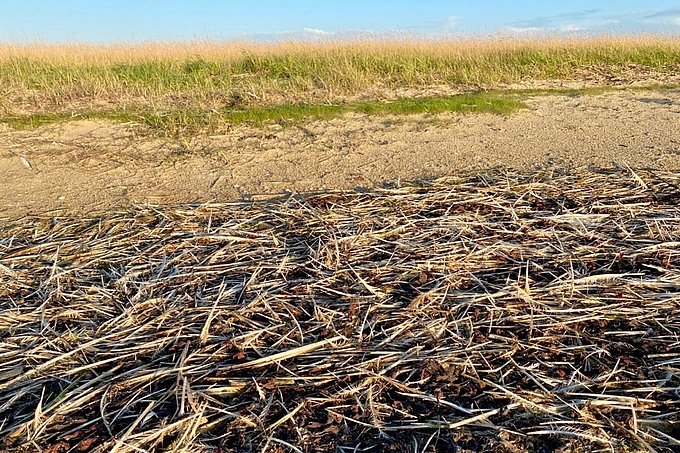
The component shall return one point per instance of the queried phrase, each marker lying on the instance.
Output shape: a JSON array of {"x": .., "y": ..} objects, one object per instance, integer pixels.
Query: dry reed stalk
[{"x": 504, "y": 311}]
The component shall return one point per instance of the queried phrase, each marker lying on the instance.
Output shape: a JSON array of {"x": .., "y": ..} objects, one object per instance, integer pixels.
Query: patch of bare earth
[{"x": 91, "y": 166}]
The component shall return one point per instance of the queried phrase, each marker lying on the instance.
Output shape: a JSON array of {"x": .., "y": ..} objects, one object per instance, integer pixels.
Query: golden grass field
[
  {"x": 201, "y": 76},
  {"x": 484, "y": 310}
]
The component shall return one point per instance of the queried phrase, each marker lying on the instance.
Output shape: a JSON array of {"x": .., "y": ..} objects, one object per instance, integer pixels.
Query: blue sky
[{"x": 152, "y": 20}]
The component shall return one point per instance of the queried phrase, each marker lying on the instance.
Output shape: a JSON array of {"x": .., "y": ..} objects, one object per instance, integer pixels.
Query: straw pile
[{"x": 503, "y": 312}]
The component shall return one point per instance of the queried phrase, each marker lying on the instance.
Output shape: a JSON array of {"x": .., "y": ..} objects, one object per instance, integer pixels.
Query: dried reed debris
[{"x": 506, "y": 311}]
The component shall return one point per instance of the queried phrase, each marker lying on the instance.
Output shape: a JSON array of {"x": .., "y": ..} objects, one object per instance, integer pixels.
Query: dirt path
[{"x": 88, "y": 166}]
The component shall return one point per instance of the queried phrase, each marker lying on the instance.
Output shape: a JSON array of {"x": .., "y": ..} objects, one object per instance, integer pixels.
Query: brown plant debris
[{"x": 500, "y": 312}]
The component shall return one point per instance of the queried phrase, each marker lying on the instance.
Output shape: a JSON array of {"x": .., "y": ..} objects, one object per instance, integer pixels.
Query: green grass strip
[
  {"x": 498, "y": 104},
  {"x": 178, "y": 121}
]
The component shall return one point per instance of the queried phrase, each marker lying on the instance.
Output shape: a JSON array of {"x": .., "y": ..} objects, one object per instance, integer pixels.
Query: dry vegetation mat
[{"x": 509, "y": 312}]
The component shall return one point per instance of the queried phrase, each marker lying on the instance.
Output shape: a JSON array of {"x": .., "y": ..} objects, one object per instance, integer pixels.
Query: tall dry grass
[{"x": 78, "y": 77}]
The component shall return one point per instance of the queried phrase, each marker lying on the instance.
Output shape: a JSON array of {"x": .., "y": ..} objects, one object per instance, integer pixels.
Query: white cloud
[
  {"x": 316, "y": 31},
  {"x": 523, "y": 30},
  {"x": 537, "y": 31},
  {"x": 598, "y": 20},
  {"x": 303, "y": 34},
  {"x": 570, "y": 28},
  {"x": 450, "y": 22}
]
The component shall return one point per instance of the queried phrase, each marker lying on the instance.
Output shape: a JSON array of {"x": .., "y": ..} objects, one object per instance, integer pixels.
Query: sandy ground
[{"x": 84, "y": 167}]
